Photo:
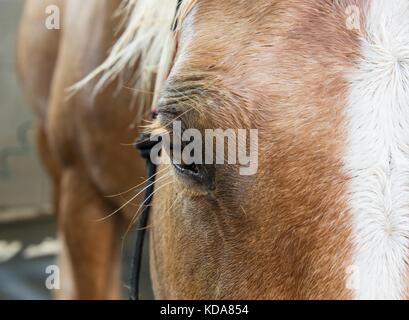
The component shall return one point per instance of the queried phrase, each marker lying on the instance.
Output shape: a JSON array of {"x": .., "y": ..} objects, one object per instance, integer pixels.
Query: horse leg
[
  {"x": 90, "y": 244},
  {"x": 53, "y": 169},
  {"x": 51, "y": 165}
]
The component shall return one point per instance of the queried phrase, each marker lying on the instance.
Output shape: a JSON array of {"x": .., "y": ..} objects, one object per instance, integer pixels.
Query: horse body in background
[
  {"x": 86, "y": 138},
  {"x": 326, "y": 216}
]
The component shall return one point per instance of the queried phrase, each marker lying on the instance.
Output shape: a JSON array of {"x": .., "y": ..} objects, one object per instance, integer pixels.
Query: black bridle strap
[{"x": 144, "y": 145}]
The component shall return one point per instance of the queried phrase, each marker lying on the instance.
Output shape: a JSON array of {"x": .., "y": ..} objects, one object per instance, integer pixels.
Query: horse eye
[
  {"x": 190, "y": 169},
  {"x": 184, "y": 168},
  {"x": 200, "y": 173}
]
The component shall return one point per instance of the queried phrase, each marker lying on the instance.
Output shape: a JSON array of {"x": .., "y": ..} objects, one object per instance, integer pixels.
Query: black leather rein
[{"x": 144, "y": 145}]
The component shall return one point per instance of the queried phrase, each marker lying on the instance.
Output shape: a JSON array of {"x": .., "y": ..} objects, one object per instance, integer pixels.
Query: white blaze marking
[{"x": 377, "y": 159}]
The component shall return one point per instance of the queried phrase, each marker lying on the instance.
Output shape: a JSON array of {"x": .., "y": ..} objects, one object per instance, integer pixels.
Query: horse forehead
[
  {"x": 256, "y": 17},
  {"x": 258, "y": 31},
  {"x": 270, "y": 49}
]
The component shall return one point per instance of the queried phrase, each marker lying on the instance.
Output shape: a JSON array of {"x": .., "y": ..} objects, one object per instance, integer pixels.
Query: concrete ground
[{"x": 29, "y": 246}]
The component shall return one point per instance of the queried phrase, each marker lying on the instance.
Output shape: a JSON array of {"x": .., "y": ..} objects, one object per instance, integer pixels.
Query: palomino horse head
[{"x": 326, "y": 83}]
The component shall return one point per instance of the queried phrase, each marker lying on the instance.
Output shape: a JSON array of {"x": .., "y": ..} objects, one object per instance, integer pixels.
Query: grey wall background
[
  {"x": 22, "y": 180},
  {"x": 24, "y": 187}
]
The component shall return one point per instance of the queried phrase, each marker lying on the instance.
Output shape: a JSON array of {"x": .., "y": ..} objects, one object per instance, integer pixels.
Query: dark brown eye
[
  {"x": 202, "y": 174},
  {"x": 181, "y": 166},
  {"x": 197, "y": 172},
  {"x": 187, "y": 168}
]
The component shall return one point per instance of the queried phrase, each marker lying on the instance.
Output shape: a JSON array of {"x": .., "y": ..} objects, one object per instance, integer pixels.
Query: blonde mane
[
  {"x": 185, "y": 7},
  {"x": 147, "y": 40}
]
